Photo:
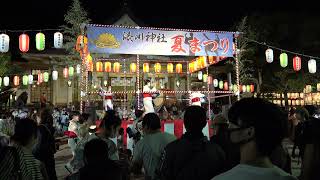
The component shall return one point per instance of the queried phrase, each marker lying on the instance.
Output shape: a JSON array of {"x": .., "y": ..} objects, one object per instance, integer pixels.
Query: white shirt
[{"x": 247, "y": 172}]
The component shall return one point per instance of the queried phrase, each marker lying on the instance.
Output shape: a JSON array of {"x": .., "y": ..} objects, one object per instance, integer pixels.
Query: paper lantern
[
  {"x": 221, "y": 84},
  {"x": 133, "y": 67},
  {"x": 235, "y": 88},
  {"x": 191, "y": 67},
  {"x": 231, "y": 87},
  {"x": 296, "y": 63},
  {"x": 54, "y": 75},
  {"x": 215, "y": 82},
  {"x": 252, "y": 88},
  {"x": 78, "y": 69},
  {"x": 24, "y": 41},
  {"x": 71, "y": 71},
  {"x": 178, "y": 68},
  {"x": 145, "y": 67},
  {"x": 0, "y": 81},
  {"x": 312, "y": 66},
  {"x": 200, "y": 75},
  {"x": 269, "y": 55},
  {"x": 301, "y": 95},
  {"x": 57, "y": 40},
  {"x": 16, "y": 80},
  {"x": 82, "y": 42},
  {"x": 30, "y": 79},
  {"x": 45, "y": 76},
  {"x": 40, "y": 41},
  {"x": 244, "y": 88},
  {"x": 283, "y": 60},
  {"x": 225, "y": 86},
  {"x": 213, "y": 59},
  {"x": 107, "y": 67},
  {"x": 116, "y": 67},
  {"x": 157, "y": 68},
  {"x": 40, "y": 78},
  {"x": 99, "y": 66},
  {"x": 65, "y": 72},
  {"x": 170, "y": 68},
  {"x": 6, "y": 81},
  {"x": 25, "y": 80},
  {"x": 4, "y": 43},
  {"x": 248, "y": 88},
  {"x": 205, "y": 78},
  {"x": 210, "y": 80}
]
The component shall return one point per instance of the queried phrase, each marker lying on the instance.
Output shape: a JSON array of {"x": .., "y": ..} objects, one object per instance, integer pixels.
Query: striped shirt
[{"x": 29, "y": 167}]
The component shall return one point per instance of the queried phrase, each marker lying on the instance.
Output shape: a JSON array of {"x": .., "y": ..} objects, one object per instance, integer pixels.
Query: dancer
[
  {"x": 147, "y": 97},
  {"x": 196, "y": 98},
  {"x": 107, "y": 98}
]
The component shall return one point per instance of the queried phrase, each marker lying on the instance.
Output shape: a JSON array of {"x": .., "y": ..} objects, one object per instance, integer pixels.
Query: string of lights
[
  {"x": 28, "y": 30},
  {"x": 280, "y": 49}
]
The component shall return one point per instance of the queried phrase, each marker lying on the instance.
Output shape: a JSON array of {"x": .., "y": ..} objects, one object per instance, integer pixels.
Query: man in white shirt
[{"x": 260, "y": 126}]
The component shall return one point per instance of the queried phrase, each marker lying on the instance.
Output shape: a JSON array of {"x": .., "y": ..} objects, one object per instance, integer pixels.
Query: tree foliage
[{"x": 74, "y": 18}]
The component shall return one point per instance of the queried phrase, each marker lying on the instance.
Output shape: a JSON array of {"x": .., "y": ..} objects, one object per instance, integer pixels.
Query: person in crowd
[
  {"x": 84, "y": 118},
  {"x": 260, "y": 127},
  {"x": 97, "y": 163},
  {"x": 73, "y": 130},
  {"x": 109, "y": 127},
  {"x": 221, "y": 137},
  {"x": 43, "y": 100},
  {"x": 192, "y": 156},
  {"x": 120, "y": 139},
  {"x": 147, "y": 151},
  {"x": 22, "y": 100},
  {"x": 45, "y": 149},
  {"x": 302, "y": 116},
  {"x": 311, "y": 162},
  {"x": 281, "y": 158},
  {"x": 17, "y": 161},
  {"x": 292, "y": 122}
]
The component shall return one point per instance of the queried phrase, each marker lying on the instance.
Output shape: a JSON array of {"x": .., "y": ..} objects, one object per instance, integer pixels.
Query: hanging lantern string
[
  {"x": 282, "y": 50},
  {"x": 29, "y": 30}
]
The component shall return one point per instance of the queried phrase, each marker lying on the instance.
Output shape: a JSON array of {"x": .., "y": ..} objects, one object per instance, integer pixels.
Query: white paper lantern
[
  {"x": 215, "y": 82},
  {"x": 78, "y": 68},
  {"x": 200, "y": 75},
  {"x": 269, "y": 55},
  {"x": 6, "y": 81},
  {"x": 244, "y": 88},
  {"x": 58, "y": 40},
  {"x": 54, "y": 75},
  {"x": 312, "y": 66},
  {"x": 30, "y": 78},
  {"x": 4, "y": 43}
]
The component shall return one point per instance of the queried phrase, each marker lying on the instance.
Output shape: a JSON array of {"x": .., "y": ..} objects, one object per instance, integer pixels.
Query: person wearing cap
[
  {"x": 192, "y": 156},
  {"x": 147, "y": 151},
  {"x": 260, "y": 127},
  {"x": 221, "y": 137}
]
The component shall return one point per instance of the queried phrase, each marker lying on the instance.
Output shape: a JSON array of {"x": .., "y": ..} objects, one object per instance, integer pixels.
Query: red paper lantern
[
  {"x": 24, "y": 43},
  {"x": 40, "y": 78},
  {"x": 65, "y": 72},
  {"x": 107, "y": 67},
  {"x": 252, "y": 88},
  {"x": 296, "y": 63},
  {"x": 82, "y": 42},
  {"x": 225, "y": 86},
  {"x": 99, "y": 66},
  {"x": 16, "y": 80}
]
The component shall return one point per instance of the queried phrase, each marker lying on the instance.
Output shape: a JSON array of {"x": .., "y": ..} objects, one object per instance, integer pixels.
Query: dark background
[{"x": 201, "y": 14}]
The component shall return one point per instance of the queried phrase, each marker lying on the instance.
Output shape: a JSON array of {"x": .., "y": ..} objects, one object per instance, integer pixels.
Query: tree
[{"x": 75, "y": 16}]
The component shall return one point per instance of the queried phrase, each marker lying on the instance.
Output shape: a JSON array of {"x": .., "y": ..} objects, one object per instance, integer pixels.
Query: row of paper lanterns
[
  {"x": 296, "y": 102},
  {"x": 107, "y": 67},
  {"x": 24, "y": 42},
  {"x": 312, "y": 64},
  {"x": 42, "y": 77},
  {"x": 202, "y": 62}
]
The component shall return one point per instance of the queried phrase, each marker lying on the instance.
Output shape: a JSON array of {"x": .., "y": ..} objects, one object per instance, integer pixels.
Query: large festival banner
[{"x": 119, "y": 40}]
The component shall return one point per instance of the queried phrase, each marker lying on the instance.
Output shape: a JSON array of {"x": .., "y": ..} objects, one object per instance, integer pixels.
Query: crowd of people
[{"x": 247, "y": 144}]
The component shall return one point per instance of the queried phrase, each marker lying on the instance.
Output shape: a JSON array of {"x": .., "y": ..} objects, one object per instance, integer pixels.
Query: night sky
[{"x": 195, "y": 14}]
